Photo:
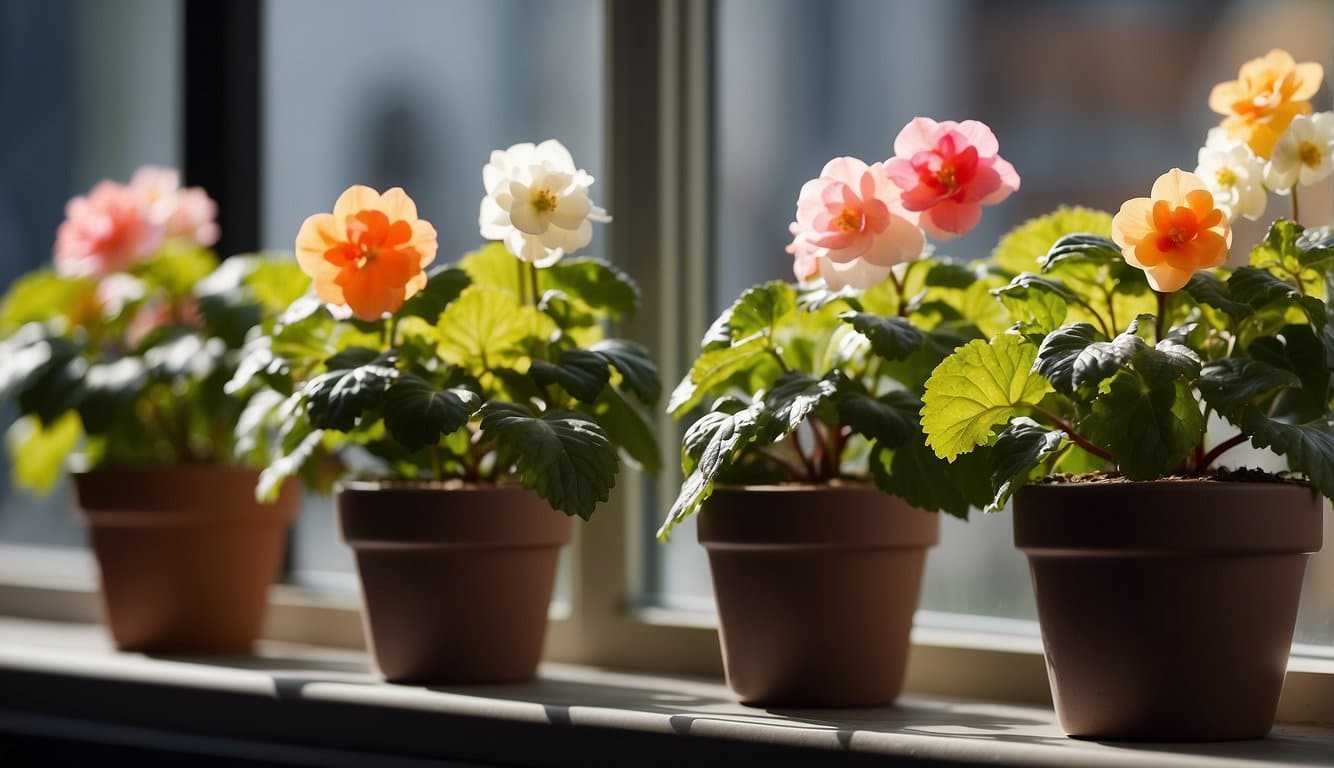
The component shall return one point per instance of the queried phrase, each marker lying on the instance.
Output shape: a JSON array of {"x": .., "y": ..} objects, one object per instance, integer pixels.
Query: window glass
[
  {"x": 89, "y": 90},
  {"x": 1090, "y": 100},
  {"x": 415, "y": 93}
]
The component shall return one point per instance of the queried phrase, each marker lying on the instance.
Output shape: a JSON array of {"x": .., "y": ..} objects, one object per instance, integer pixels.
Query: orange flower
[
  {"x": 370, "y": 254},
  {"x": 1174, "y": 232},
  {"x": 1268, "y": 93}
]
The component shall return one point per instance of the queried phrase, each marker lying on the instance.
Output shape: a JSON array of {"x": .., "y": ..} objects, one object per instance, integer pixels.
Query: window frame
[{"x": 659, "y": 184}]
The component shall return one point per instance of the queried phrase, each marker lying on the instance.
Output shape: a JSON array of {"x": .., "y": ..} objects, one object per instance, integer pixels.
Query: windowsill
[{"x": 64, "y": 679}]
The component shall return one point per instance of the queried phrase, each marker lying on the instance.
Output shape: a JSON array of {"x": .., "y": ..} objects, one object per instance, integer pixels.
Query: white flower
[
  {"x": 537, "y": 202},
  {"x": 1234, "y": 175},
  {"x": 1304, "y": 153}
]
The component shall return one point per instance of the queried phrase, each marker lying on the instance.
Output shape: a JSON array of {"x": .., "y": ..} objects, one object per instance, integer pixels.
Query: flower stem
[
  {"x": 532, "y": 275},
  {"x": 1219, "y": 450},
  {"x": 1070, "y": 432},
  {"x": 1296, "y": 210},
  {"x": 1160, "y": 326},
  {"x": 522, "y": 283},
  {"x": 900, "y": 287}
]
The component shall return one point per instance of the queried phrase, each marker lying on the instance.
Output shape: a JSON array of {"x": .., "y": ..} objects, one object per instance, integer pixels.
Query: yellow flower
[{"x": 1267, "y": 94}]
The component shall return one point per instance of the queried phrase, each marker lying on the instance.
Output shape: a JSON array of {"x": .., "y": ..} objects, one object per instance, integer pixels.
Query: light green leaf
[
  {"x": 978, "y": 388},
  {"x": 42, "y": 295},
  {"x": 492, "y": 266},
  {"x": 1021, "y": 249},
  {"x": 486, "y": 328},
  {"x": 177, "y": 267},
  {"x": 562, "y": 455},
  {"x": 37, "y": 453},
  {"x": 1149, "y": 428},
  {"x": 714, "y": 369},
  {"x": 760, "y": 310},
  {"x": 417, "y": 414}
]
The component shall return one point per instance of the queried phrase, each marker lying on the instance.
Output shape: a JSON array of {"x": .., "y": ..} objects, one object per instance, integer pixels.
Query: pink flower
[
  {"x": 948, "y": 171},
  {"x": 105, "y": 232},
  {"x": 851, "y": 225},
  {"x": 187, "y": 213}
]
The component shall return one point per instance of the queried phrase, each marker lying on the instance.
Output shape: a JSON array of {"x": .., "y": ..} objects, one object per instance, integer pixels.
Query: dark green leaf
[
  {"x": 443, "y": 285},
  {"x": 639, "y": 375},
  {"x": 1206, "y": 288},
  {"x": 1259, "y": 288},
  {"x": 562, "y": 455},
  {"x": 892, "y": 338},
  {"x": 1059, "y": 351},
  {"x": 915, "y": 474},
  {"x": 1148, "y": 429},
  {"x": 338, "y": 398},
  {"x": 627, "y": 427},
  {"x": 1233, "y": 382},
  {"x": 889, "y": 420},
  {"x": 600, "y": 286},
  {"x": 110, "y": 390},
  {"x": 795, "y": 395},
  {"x": 581, "y": 372},
  {"x": 1019, "y": 448},
  {"x": 944, "y": 273},
  {"x": 417, "y": 414},
  {"x": 709, "y": 447},
  {"x": 1308, "y": 447}
]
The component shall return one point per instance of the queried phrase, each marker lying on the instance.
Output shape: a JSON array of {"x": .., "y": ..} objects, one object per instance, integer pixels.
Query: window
[
  {"x": 797, "y": 83},
  {"x": 105, "y": 100}
]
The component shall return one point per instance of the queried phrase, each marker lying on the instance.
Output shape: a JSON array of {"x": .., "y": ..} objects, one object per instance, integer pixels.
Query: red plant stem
[
  {"x": 1070, "y": 432},
  {"x": 1219, "y": 450},
  {"x": 811, "y": 472}
]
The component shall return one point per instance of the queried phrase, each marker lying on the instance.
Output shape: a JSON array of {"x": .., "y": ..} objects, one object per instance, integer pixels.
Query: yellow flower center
[
  {"x": 1226, "y": 177},
  {"x": 946, "y": 177},
  {"x": 1309, "y": 153},
  {"x": 849, "y": 220},
  {"x": 544, "y": 201}
]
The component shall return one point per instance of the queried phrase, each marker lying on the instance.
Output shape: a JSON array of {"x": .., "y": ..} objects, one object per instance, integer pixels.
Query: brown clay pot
[
  {"x": 456, "y": 581},
  {"x": 1167, "y": 607},
  {"x": 816, "y": 589},
  {"x": 187, "y": 555}
]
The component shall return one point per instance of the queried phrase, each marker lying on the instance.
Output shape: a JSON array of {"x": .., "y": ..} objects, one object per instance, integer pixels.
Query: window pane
[
  {"x": 416, "y": 94},
  {"x": 89, "y": 90},
  {"x": 1084, "y": 122}
]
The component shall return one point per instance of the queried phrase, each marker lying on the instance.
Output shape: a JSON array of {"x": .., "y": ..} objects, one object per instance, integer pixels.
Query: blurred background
[{"x": 1091, "y": 100}]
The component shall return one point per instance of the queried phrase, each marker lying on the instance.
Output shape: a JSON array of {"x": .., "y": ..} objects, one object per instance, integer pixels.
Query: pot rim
[
  {"x": 841, "y": 486},
  {"x": 1167, "y": 482},
  {"x": 362, "y": 485}
]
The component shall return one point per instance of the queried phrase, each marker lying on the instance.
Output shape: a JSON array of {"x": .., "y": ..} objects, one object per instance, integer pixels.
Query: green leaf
[
  {"x": 1021, "y": 249},
  {"x": 110, "y": 390},
  {"x": 562, "y": 455},
  {"x": 186, "y": 355},
  {"x": 38, "y": 453},
  {"x": 493, "y": 266},
  {"x": 598, "y": 286},
  {"x": 1315, "y": 248},
  {"x": 1308, "y": 447},
  {"x": 714, "y": 369},
  {"x": 55, "y": 383},
  {"x": 486, "y": 328},
  {"x": 42, "y": 295},
  {"x": 1208, "y": 289},
  {"x": 1149, "y": 428},
  {"x": 176, "y": 268},
  {"x": 443, "y": 285},
  {"x": 338, "y": 398},
  {"x": 288, "y": 462},
  {"x": 1296, "y": 348},
  {"x": 889, "y": 420},
  {"x": 627, "y": 427},
  {"x": 1234, "y": 382},
  {"x": 1259, "y": 289},
  {"x": 892, "y": 338},
  {"x": 1082, "y": 248},
  {"x": 760, "y": 309},
  {"x": 944, "y": 273},
  {"x": 920, "y": 477},
  {"x": 978, "y": 388},
  {"x": 1060, "y": 350},
  {"x": 1018, "y": 449},
  {"x": 639, "y": 375},
  {"x": 796, "y": 394},
  {"x": 710, "y": 445},
  {"x": 417, "y": 414},
  {"x": 582, "y": 373}
]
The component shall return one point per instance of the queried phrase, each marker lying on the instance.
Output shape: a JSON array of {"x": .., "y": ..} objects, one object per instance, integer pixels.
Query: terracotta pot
[
  {"x": 187, "y": 555},
  {"x": 1167, "y": 607},
  {"x": 816, "y": 589},
  {"x": 456, "y": 581}
]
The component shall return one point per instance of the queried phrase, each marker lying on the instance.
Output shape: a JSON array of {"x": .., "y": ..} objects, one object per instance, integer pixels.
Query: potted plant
[
  {"x": 477, "y": 407},
  {"x": 808, "y": 466},
  {"x": 1166, "y": 585},
  {"x": 119, "y": 354}
]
